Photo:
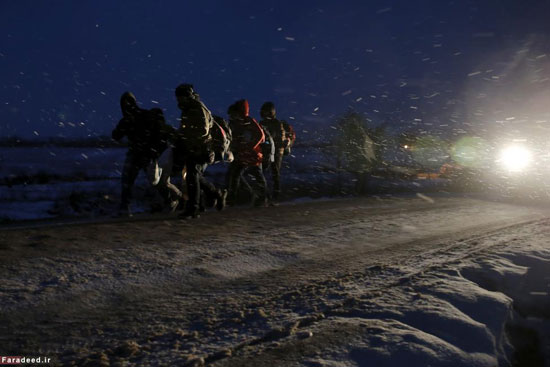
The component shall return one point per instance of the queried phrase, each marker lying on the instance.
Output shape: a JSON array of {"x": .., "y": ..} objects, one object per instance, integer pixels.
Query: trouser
[
  {"x": 195, "y": 182},
  {"x": 210, "y": 191},
  {"x": 258, "y": 183},
  {"x": 276, "y": 173},
  {"x": 133, "y": 163},
  {"x": 167, "y": 189}
]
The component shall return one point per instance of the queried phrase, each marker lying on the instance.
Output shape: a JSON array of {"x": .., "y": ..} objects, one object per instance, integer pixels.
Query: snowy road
[{"x": 297, "y": 284}]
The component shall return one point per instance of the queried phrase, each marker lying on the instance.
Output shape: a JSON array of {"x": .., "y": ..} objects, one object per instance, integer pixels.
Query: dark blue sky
[{"x": 64, "y": 64}]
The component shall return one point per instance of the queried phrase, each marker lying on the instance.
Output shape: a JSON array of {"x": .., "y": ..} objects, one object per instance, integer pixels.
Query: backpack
[
  {"x": 161, "y": 134},
  {"x": 290, "y": 137},
  {"x": 221, "y": 138},
  {"x": 146, "y": 130}
]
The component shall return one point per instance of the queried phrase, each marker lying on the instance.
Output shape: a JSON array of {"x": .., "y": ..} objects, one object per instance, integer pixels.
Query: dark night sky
[{"x": 64, "y": 64}]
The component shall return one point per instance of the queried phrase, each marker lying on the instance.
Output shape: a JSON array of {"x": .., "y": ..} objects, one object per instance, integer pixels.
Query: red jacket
[{"x": 248, "y": 137}]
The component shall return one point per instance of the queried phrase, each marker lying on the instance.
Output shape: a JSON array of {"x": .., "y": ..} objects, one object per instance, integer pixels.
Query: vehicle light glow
[{"x": 515, "y": 158}]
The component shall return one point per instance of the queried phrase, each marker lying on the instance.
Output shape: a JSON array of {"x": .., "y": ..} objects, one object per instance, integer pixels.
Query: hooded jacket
[
  {"x": 247, "y": 135},
  {"x": 196, "y": 120},
  {"x": 277, "y": 131},
  {"x": 146, "y": 130}
]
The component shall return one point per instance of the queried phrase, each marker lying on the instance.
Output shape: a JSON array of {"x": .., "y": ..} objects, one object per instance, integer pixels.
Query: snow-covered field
[
  {"x": 428, "y": 280},
  {"x": 57, "y": 182}
]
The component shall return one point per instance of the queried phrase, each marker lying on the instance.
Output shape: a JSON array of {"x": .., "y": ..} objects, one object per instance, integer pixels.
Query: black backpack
[
  {"x": 221, "y": 138},
  {"x": 161, "y": 134}
]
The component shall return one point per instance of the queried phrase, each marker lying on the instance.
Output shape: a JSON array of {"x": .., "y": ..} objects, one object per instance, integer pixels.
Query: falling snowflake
[{"x": 382, "y": 11}]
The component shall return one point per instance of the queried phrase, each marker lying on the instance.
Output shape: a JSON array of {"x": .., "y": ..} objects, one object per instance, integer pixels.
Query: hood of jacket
[
  {"x": 242, "y": 107},
  {"x": 128, "y": 103}
]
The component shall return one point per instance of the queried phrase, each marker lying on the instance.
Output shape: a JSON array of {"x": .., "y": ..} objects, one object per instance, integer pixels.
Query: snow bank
[{"x": 477, "y": 312}]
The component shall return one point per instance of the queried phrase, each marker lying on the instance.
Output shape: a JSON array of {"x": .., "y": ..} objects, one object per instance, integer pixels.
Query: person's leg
[
  {"x": 276, "y": 174},
  {"x": 208, "y": 191},
  {"x": 208, "y": 187},
  {"x": 167, "y": 190},
  {"x": 193, "y": 189},
  {"x": 258, "y": 184},
  {"x": 130, "y": 171},
  {"x": 175, "y": 192},
  {"x": 245, "y": 185},
  {"x": 170, "y": 193},
  {"x": 234, "y": 179},
  {"x": 212, "y": 195}
]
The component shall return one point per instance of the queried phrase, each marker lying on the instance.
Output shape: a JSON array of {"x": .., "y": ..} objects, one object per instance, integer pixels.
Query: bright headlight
[{"x": 515, "y": 158}]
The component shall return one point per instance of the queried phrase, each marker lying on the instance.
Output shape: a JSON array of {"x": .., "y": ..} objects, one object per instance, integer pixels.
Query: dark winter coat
[
  {"x": 196, "y": 122},
  {"x": 193, "y": 143},
  {"x": 277, "y": 131},
  {"x": 147, "y": 132}
]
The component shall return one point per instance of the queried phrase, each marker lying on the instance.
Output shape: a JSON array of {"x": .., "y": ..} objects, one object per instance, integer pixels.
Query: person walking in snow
[
  {"x": 356, "y": 150},
  {"x": 194, "y": 149},
  {"x": 148, "y": 136},
  {"x": 246, "y": 147},
  {"x": 283, "y": 137}
]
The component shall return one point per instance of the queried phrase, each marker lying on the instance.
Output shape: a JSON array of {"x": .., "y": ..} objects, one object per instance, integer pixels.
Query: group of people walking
[{"x": 200, "y": 140}]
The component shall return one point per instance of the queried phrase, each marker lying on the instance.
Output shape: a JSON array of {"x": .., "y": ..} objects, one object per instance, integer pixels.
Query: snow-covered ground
[
  {"x": 56, "y": 182},
  {"x": 61, "y": 161},
  {"x": 427, "y": 280}
]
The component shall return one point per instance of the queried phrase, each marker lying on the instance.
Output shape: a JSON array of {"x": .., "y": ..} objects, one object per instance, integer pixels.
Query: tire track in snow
[{"x": 465, "y": 247}]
